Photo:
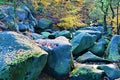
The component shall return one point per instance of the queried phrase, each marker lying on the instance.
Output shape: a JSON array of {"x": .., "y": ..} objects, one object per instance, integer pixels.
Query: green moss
[
  {"x": 22, "y": 56},
  {"x": 86, "y": 73}
]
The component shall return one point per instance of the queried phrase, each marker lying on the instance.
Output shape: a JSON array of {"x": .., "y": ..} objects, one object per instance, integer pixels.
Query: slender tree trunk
[
  {"x": 118, "y": 28},
  {"x": 104, "y": 17},
  {"x": 105, "y": 23},
  {"x": 113, "y": 14}
]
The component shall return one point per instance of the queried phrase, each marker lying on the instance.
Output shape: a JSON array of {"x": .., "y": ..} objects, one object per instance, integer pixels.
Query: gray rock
[
  {"x": 10, "y": 25},
  {"x": 89, "y": 57},
  {"x": 22, "y": 27},
  {"x": 24, "y": 18},
  {"x": 25, "y": 26},
  {"x": 99, "y": 28},
  {"x": 64, "y": 33},
  {"x": 21, "y": 14},
  {"x": 34, "y": 36},
  {"x": 113, "y": 53},
  {"x": 30, "y": 26},
  {"x": 9, "y": 11},
  {"x": 2, "y": 14},
  {"x": 99, "y": 47},
  {"x": 82, "y": 42},
  {"x": 20, "y": 58},
  {"x": 7, "y": 19},
  {"x": 60, "y": 58},
  {"x": 45, "y": 34},
  {"x": 44, "y": 23},
  {"x": 112, "y": 73},
  {"x": 98, "y": 34}
]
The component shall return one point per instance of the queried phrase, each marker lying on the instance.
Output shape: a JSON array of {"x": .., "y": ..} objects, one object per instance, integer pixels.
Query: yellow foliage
[
  {"x": 64, "y": 10},
  {"x": 45, "y": 2},
  {"x": 70, "y": 21},
  {"x": 115, "y": 19},
  {"x": 57, "y": 1},
  {"x": 109, "y": 19},
  {"x": 35, "y": 4}
]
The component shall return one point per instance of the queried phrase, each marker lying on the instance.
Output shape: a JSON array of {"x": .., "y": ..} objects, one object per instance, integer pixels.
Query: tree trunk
[
  {"x": 113, "y": 14},
  {"x": 118, "y": 28},
  {"x": 105, "y": 23},
  {"x": 105, "y": 16}
]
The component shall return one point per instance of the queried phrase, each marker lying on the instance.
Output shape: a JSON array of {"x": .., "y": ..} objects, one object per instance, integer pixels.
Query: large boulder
[
  {"x": 82, "y": 42},
  {"x": 20, "y": 58},
  {"x": 113, "y": 49},
  {"x": 100, "y": 47},
  {"x": 44, "y": 23},
  {"x": 60, "y": 59},
  {"x": 87, "y": 72},
  {"x": 97, "y": 34},
  {"x": 64, "y": 33}
]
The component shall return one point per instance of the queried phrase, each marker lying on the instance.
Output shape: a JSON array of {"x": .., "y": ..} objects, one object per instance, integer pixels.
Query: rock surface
[
  {"x": 113, "y": 52},
  {"x": 112, "y": 73},
  {"x": 99, "y": 47},
  {"x": 44, "y": 23},
  {"x": 91, "y": 58},
  {"x": 86, "y": 72},
  {"x": 20, "y": 58},
  {"x": 64, "y": 33},
  {"x": 97, "y": 34},
  {"x": 60, "y": 59},
  {"x": 82, "y": 42}
]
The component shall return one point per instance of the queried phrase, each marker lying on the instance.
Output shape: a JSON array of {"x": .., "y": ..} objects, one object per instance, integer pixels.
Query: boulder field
[{"x": 32, "y": 49}]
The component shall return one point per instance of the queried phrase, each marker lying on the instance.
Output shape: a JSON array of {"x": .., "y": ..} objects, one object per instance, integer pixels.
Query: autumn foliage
[{"x": 64, "y": 13}]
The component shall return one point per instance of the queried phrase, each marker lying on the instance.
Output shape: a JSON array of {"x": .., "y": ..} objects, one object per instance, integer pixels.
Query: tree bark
[
  {"x": 118, "y": 28},
  {"x": 104, "y": 17},
  {"x": 105, "y": 23},
  {"x": 113, "y": 14}
]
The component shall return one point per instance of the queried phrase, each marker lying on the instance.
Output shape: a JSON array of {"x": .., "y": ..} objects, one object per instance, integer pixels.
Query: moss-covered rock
[
  {"x": 20, "y": 58},
  {"x": 113, "y": 49},
  {"x": 86, "y": 72}
]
